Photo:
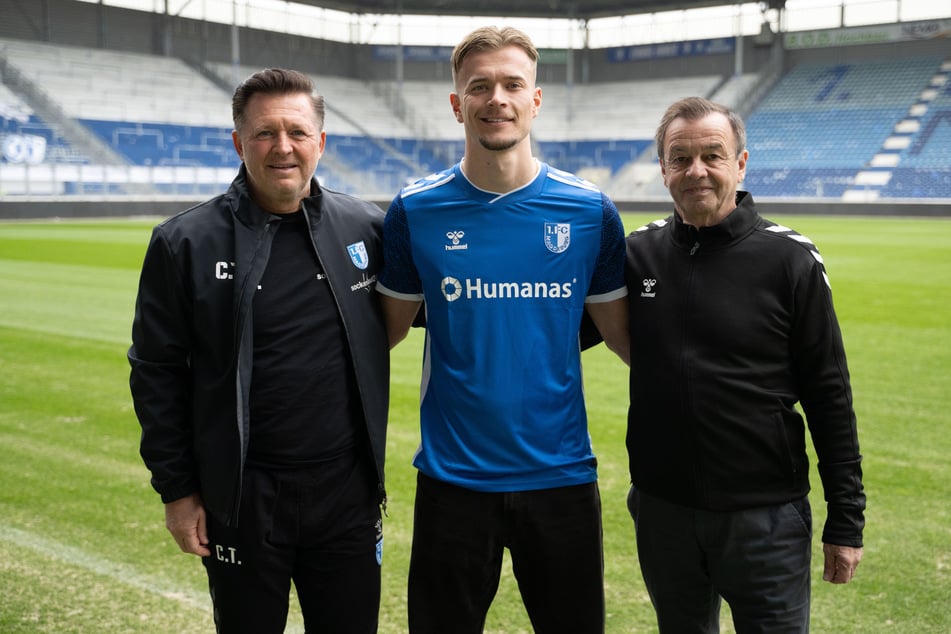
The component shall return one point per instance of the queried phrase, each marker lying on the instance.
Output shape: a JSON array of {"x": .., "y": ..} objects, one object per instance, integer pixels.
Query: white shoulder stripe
[
  {"x": 425, "y": 184},
  {"x": 800, "y": 238},
  {"x": 792, "y": 235},
  {"x": 656, "y": 223},
  {"x": 410, "y": 297},
  {"x": 571, "y": 179},
  {"x": 789, "y": 233}
]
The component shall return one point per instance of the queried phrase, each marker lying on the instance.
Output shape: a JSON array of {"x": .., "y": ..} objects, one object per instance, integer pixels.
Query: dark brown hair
[{"x": 275, "y": 81}]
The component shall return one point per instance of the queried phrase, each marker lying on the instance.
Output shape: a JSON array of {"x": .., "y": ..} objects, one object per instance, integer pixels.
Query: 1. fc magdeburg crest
[
  {"x": 557, "y": 236},
  {"x": 358, "y": 253}
]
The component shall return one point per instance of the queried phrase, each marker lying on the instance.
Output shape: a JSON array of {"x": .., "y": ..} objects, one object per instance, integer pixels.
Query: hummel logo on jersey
[
  {"x": 455, "y": 237},
  {"x": 452, "y": 289},
  {"x": 649, "y": 285},
  {"x": 557, "y": 236}
]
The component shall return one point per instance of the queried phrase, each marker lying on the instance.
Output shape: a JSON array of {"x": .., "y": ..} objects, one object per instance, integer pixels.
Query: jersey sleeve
[
  {"x": 607, "y": 283},
  {"x": 399, "y": 277}
]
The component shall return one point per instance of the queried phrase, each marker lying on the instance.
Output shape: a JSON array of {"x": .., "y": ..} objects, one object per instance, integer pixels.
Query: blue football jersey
[{"x": 504, "y": 279}]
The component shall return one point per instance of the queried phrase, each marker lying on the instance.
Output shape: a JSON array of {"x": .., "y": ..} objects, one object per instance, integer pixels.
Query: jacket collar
[
  {"x": 737, "y": 224},
  {"x": 248, "y": 212}
]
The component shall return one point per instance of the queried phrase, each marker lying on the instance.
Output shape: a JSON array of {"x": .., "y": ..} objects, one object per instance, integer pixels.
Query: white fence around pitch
[{"x": 55, "y": 179}]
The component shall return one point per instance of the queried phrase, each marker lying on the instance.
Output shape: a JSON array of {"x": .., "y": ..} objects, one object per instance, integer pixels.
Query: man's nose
[
  {"x": 282, "y": 142},
  {"x": 497, "y": 97},
  {"x": 696, "y": 167}
]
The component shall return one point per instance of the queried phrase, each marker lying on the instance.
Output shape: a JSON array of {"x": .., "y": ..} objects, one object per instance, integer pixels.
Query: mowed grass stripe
[
  {"x": 77, "y": 300},
  {"x": 111, "y": 245},
  {"x": 70, "y": 440},
  {"x": 45, "y": 593},
  {"x": 115, "y": 572}
]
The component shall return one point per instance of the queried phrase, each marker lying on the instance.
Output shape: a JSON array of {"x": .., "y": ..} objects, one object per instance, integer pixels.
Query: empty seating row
[
  {"x": 816, "y": 130},
  {"x": 89, "y": 83},
  {"x": 823, "y": 124}
]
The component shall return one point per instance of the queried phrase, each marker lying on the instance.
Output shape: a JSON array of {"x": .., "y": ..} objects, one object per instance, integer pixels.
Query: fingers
[
  {"x": 182, "y": 541},
  {"x": 202, "y": 529},
  {"x": 192, "y": 544},
  {"x": 840, "y": 563},
  {"x": 841, "y": 572},
  {"x": 186, "y": 521},
  {"x": 192, "y": 540}
]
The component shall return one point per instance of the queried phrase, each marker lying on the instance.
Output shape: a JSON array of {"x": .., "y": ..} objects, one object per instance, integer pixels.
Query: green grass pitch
[{"x": 83, "y": 546}]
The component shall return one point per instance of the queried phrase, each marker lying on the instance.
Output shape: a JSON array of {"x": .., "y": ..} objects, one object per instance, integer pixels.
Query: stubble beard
[{"x": 497, "y": 145}]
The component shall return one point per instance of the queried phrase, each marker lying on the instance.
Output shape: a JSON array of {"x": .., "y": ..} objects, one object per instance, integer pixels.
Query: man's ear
[
  {"x": 456, "y": 104},
  {"x": 237, "y": 144}
]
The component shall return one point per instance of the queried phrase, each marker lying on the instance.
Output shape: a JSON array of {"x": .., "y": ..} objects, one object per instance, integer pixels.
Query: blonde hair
[{"x": 491, "y": 38}]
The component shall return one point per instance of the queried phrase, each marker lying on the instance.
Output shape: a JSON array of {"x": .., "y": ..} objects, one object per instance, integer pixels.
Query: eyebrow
[
  {"x": 482, "y": 78},
  {"x": 717, "y": 147}
]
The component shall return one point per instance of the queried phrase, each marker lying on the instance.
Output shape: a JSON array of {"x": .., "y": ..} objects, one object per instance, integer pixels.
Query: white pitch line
[{"x": 116, "y": 571}]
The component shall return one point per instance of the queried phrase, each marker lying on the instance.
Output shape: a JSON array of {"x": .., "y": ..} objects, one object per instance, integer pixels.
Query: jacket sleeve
[
  {"x": 160, "y": 378},
  {"x": 822, "y": 375}
]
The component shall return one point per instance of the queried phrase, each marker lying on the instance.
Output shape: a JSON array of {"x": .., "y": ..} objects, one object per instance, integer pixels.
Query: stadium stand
[
  {"x": 28, "y": 139},
  {"x": 858, "y": 129},
  {"x": 818, "y": 132},
  {"x": 922, "y": 167},
  {"x": 132, "y": 102}
]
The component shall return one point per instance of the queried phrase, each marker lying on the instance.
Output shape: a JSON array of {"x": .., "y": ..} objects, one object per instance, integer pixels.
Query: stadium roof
[{"x": 566, "y": 9}]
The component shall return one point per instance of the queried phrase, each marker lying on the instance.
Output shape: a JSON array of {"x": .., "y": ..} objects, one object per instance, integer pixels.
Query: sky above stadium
[{"x": 668, "y": 26}]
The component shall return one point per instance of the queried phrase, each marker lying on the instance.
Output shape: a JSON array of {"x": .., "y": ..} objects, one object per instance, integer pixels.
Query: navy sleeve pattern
[
  {"x": 399, "y": 272},
  {"x": 608, "y": 275}
]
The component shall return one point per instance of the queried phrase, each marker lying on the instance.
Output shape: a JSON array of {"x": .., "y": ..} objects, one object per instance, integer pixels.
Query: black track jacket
[
  {"x": 731, "y": 326},
  {"x": 191, "y": 335}
]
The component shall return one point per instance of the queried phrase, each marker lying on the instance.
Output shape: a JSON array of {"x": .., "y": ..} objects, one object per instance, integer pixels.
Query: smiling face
[
  {"x": 702, "y": 169},
  {"x": 496, "y": 98},
  {"x": 280, "y": 143}
]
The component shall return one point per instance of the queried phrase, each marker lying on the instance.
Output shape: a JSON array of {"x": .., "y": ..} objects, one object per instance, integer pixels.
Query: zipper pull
[{"x": 696, "y": 245}]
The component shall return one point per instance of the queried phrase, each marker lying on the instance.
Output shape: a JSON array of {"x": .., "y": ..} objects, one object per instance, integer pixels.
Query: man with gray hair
[{"x": 732, "y": 325}]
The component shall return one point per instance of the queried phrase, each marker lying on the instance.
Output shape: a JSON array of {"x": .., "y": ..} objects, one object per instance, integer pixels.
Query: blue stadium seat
[{"x": 824, "y": 123}]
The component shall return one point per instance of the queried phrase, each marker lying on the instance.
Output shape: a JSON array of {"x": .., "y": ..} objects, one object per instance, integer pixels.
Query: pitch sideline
[{"x": 118, "y": 572}]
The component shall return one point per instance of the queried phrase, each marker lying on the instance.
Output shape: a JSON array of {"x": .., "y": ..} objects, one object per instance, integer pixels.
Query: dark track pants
[
  {"x": 459, "y": 535},
  {"x": 318, "y": 526},
  {"x": 756, "y": 559}
]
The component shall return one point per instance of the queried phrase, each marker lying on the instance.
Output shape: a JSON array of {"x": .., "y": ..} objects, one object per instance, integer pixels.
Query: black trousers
[
  {"x": 757, "y": 559},
  {"x": 321, "y": 528},
  {"x": 553, "y": 535}
]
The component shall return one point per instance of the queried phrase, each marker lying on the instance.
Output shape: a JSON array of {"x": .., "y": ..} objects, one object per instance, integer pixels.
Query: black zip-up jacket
[
  {"x": 191, "y": 336},
  {"x": 731, "y": 326}
]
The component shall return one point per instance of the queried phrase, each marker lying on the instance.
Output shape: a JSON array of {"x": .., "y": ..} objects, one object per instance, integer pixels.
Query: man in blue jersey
[{"x": 506, "y": 253}]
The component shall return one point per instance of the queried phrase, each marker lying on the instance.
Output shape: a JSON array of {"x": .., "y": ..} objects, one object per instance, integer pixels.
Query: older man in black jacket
[
  {"x": 260, "y": 369},
  {"x": 732, "y": 325}
]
